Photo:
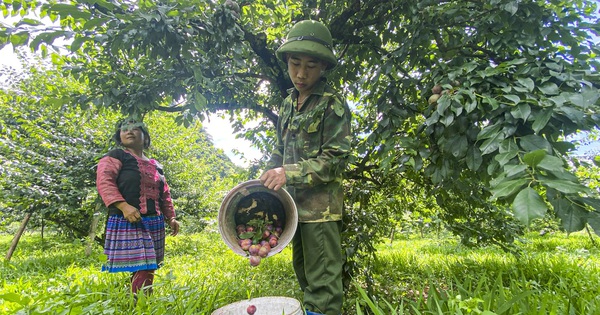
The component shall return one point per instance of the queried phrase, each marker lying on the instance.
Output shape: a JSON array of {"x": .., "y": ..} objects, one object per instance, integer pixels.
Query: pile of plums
[{"x": 258, "y": 239}]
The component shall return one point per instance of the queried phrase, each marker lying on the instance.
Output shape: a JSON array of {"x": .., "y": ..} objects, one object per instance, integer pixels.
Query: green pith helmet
[{"x": 311, "y": 38}]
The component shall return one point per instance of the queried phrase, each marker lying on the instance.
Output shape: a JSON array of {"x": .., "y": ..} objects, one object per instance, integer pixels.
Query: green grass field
[{"x": 555, "y": 274}]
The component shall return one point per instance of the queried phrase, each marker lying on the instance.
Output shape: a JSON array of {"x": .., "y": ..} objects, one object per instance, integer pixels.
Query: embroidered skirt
[{"x": 134, "y": 246}]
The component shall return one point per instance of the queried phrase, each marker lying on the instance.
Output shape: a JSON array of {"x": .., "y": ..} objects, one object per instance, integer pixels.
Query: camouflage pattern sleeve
[{"x": 322, "y": 146}]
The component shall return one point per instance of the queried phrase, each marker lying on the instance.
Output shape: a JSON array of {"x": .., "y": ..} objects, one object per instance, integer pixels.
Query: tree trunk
[
  {"x": 15, "y": 241},
  {"x": 92, "y": 235}
]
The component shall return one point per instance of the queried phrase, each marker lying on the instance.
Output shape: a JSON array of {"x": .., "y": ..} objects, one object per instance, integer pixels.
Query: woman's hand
[
  {"x": 174, "y": 224},
  {"x": 131, "y": 213}
]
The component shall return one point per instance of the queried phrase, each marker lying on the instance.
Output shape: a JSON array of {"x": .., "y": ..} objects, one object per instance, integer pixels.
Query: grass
[{"x": 555, "y": 274}]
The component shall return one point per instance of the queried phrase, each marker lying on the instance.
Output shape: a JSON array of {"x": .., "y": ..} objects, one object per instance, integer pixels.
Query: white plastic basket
[{"x": 269, "y": 305}]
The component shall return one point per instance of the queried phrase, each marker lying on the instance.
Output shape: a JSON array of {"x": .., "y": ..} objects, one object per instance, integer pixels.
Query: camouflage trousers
[{"x": 318, "y": 262}]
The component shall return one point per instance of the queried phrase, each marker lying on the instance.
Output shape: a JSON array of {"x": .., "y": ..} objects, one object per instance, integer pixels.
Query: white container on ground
[{"x": 269, "y": 305}]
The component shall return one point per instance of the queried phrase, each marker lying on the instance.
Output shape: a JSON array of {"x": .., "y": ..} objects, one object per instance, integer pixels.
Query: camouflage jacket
[{"x": 312, "y": 146}]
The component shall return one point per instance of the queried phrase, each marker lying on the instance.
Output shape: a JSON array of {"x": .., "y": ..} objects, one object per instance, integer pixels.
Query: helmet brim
[{"x": 307, "y": 47}]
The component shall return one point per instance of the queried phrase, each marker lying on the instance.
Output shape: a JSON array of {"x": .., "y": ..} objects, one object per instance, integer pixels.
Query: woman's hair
[{"x": 131, "y": 123}]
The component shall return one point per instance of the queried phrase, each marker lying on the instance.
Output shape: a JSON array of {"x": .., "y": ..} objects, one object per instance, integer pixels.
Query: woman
[
  {"x": 313, "y": 143},
  {"x": 134, "y": 189}
]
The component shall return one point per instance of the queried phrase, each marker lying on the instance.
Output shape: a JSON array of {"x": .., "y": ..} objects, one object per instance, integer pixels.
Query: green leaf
[
  {"x": 473, "y": 158},
  {"x": 457, "y": 146},
  {"x": 200, "y": 101},
  {"x": 552, "y": 163},
  {"x": 534, "y": 158},
  {"x": 443, "y": 103},
  {"x": 585, "y": 99},
  {"x": 77, "y": 42},
  {"x": 490, "y": 145},
  {"x": 534, "y": 142},
  {"x": 492, "y": 101},
  {"x": 514, "y": 98},
  {"x": 593, "y": 219},
  {"x": 470, "y": 66},
  {"x": 549, "y": 88},
  {"x": 558, "y": 100},
  {"x": 573, "y": 217},
  {"x": 527, "y": 83},
  {"x": 447, "y": 119},
  {"x": 508, "y": 188},
  {"x": 19, "y": 39},
  {"x": 510, "y": 7},
  {"x": 529, "y": 205},
  {"x": 434, "y": 118},
  {"x": 29, "y": 21},
  {"x": 564, "y": 186},
  {"x": 245, "y": 235},
  {"x": 508, "y": 145},
  {"x": 93, "y": 23},
  {"x": 521, "y": 111},
  {"x": 512, "y": 170},
  {"x": 541, "y": 120},
  {"x": 489, "y": 131},
  {"x": 15, "y": 298},
  {"x": 173, "y": 13},
  {"x": 69, "y": 10},
  {"x": 504, "y": 158}
]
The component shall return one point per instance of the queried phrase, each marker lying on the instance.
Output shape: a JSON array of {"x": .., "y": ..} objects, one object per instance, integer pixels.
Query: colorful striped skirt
[{"x": 134, "y": 246}]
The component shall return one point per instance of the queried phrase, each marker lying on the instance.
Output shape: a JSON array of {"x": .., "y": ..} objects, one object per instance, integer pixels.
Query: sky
[{"x": 223, "y": 138}]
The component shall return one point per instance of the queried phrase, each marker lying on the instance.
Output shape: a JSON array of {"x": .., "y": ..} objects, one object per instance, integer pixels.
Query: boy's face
[{"x": 305, "y": 71}]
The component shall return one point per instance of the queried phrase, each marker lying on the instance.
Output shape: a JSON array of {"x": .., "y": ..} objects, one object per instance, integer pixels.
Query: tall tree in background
[
  {"x": 515, "y": 78},
  {"x": 49, "y": 150}
]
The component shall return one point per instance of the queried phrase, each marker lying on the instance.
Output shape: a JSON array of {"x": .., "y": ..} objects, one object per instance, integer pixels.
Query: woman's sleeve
[
  {"x": 106, "y": 180},
  {"x": 166, "y": 206}
]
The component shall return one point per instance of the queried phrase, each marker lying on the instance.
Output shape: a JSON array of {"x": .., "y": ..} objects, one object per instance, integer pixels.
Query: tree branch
[{"x": 258, "y": 43}]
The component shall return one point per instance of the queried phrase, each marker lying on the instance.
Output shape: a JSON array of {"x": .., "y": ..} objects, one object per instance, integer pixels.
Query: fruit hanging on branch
[
  {"x": 433, "y": 99},
  {"x": 436, "y": 90}
]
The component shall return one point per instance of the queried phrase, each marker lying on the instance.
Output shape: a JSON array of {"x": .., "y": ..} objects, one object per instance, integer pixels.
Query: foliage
[
  {"x": 518, "y": 78},
  {"x": 49, "y": 151},
  {"x": 416, "y": 276}
]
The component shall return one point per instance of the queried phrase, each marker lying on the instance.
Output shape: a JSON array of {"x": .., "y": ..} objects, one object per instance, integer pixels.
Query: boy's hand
[{"x": 274, "y": 178}]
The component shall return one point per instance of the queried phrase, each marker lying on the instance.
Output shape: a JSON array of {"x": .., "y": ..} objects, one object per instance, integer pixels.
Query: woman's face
[
  {"x": 132, "y": 138},
  {"x": 305, "y": 71}
]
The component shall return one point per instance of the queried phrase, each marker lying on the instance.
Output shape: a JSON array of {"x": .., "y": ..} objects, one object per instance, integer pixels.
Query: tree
[
  {"x": 517, "y": 78},
  {"x": 49, "y": 150}
]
